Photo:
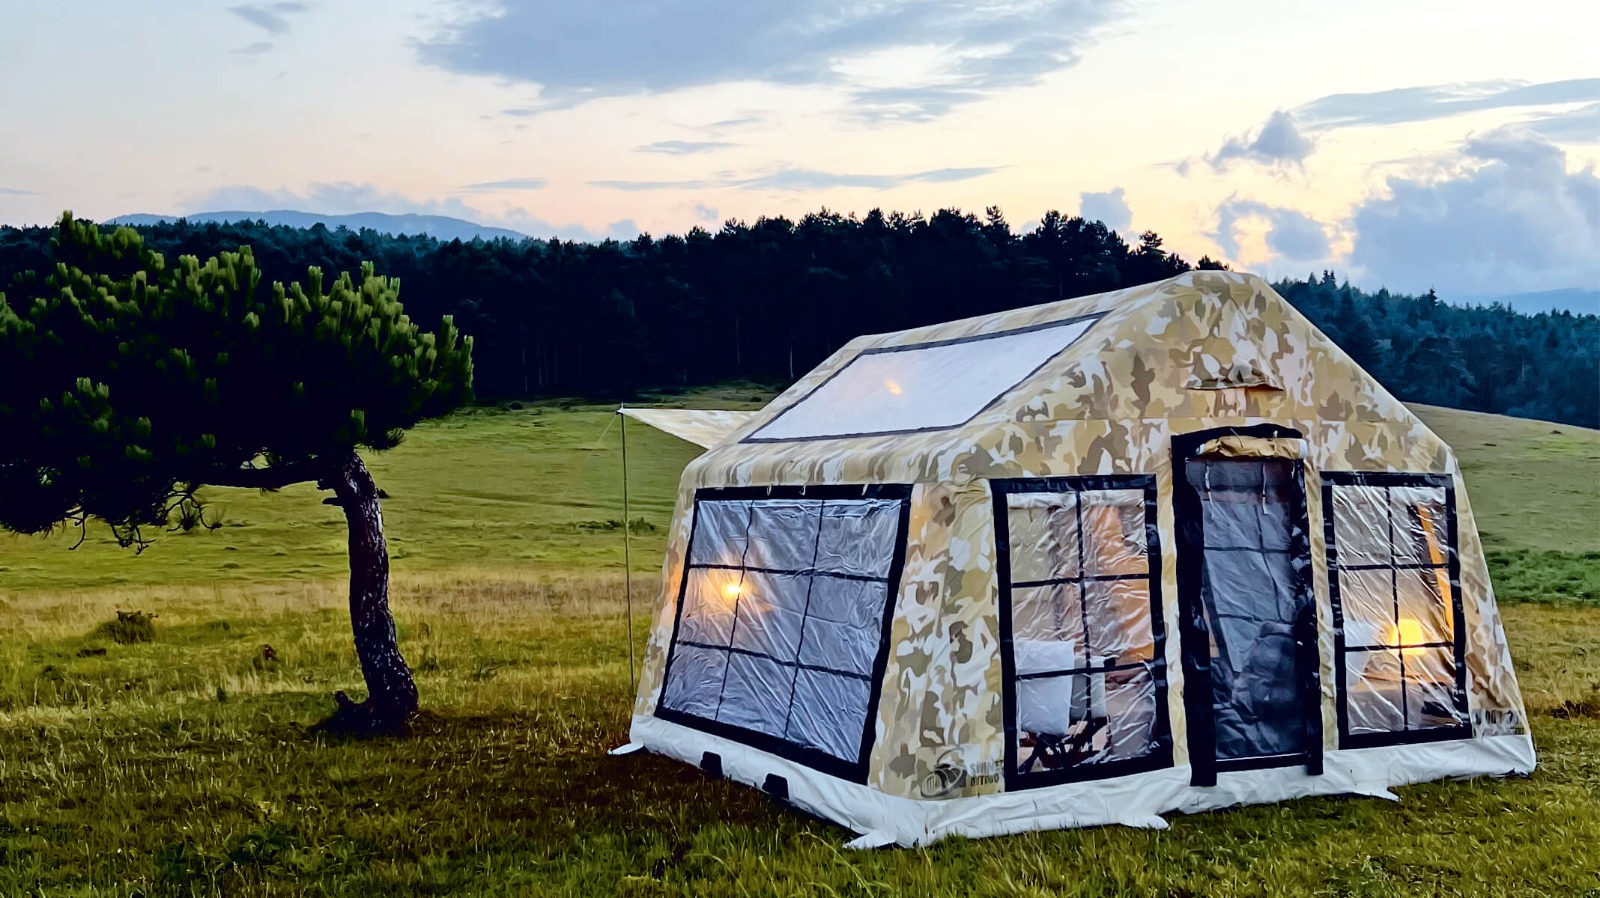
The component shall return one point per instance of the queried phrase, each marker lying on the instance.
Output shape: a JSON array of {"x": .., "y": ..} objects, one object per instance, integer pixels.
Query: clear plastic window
[
  {"x": 926, "y": 387},
  {"x": 782, "y": 619},
  {"x": 1391, "y": 564},
  {"x": 1084, "y": 629}
]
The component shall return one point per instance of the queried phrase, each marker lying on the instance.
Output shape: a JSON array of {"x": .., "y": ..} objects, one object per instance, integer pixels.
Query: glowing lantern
[
  {"x": 1408, "y": 633},
  {"x": 893, "y": 388}
]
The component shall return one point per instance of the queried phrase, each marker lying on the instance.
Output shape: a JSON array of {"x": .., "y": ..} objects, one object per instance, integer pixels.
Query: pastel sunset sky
[{"x": 1406, "y": 143}]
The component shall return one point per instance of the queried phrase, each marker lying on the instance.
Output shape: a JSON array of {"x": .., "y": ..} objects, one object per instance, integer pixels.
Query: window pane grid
[
  {"x": 801, "y": 572},
  {"x": 1395, "y": 683},
  {"x": 1071, "y": 671},
  {"x": 1094, "y": 672},
  {"x": 763, "y": 651},
  {"x": 1094, "y": 578},
  {"x": 810, "y": 573},
  {"x": 811, "y": 582},
  {"x": 722, "y": 690}
]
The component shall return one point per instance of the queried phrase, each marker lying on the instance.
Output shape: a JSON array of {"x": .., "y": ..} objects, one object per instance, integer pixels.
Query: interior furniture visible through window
[{"x": 1082, "y": 644}]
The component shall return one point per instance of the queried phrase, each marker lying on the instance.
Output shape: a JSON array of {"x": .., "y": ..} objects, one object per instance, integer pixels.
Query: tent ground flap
[{"x": 1135, "y": 800}]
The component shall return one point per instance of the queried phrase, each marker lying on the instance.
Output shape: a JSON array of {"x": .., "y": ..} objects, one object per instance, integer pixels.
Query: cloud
[
  {"x": 802, "y": 179},
  {"x": 533, "y": 226},
  {"x": 507, "y": 184},
  {"x": 603, "y": 48},
  {"x": 1110, "y": 207},
  {"x": 655, "y": 185},
  {"x": 16, "y": 191},
  {"x": 1510, "y": 218},
  {"x": 1286, "y": 139},
  {"x": 806, "y": 179},
  {"x": 1291, "y": 235},
  {"x": 1278, "y": 142},
  {"x": 732, "y": 124},
  {"x": 344, "y": 198},
  {"x": 1420, "y": 104},
  {"x": 683, "y": 147},
  {"x": 271, "y": 17},
  {"x": 910, "y": 104},
  {"x": 1581, "y": 125}
]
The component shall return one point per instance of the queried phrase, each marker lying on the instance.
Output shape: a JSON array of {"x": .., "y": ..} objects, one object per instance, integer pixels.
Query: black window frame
[
  {"x": 1160, "y": 757},
  {"x": 852, "y": 770},
  {"x": 1446, "y": 482},
  {"x": 1093, "y": 319}
]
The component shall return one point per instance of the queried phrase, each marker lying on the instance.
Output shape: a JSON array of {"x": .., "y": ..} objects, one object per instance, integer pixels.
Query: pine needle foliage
[{"x": 128, "y": 381}]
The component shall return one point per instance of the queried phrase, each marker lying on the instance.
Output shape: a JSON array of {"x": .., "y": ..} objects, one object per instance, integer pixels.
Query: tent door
[{"x": 1247, "y": 618}]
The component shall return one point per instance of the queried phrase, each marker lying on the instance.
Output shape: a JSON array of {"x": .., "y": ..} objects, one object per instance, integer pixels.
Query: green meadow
[{"x": 165, "y": 751}]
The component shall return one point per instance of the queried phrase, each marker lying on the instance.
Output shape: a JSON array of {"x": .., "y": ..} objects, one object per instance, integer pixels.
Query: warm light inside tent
[
  {"x": 733, "y": 590},
  {"x": 1408, "y": 632},
  {"x": 893, "y": 387}
]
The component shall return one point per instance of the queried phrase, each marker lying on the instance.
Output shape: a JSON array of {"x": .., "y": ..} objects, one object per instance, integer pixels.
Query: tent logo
[{"x": 947, "y": 777}]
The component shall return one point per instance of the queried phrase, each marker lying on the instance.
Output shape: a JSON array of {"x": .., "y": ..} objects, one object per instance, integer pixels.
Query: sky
[{"x": 1416, "y": 144}]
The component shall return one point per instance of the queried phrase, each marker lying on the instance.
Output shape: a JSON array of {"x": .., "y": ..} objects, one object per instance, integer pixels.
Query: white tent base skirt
[{"x": 1137, "y": 800}]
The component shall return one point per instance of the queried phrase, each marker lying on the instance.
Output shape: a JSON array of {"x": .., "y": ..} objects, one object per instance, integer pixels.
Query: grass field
[{"x": 181, "y": 765}]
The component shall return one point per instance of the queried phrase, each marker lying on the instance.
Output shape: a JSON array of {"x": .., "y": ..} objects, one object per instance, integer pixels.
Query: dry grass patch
[{"x": 181, "y": 766}]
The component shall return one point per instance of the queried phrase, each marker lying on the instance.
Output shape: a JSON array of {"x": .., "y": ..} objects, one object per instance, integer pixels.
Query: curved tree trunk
[{"x": 391, "y": 693}]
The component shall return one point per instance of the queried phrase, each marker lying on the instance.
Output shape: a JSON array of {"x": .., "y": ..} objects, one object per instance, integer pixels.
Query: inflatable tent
[{"x": 1163, "y": 549}]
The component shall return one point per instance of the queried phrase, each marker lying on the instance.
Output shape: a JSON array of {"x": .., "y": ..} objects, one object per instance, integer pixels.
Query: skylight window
[{"x": 930, "y": 386}]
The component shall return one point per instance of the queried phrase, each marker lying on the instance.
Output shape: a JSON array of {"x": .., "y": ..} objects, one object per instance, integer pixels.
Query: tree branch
[{"x": 274, "y": 477}]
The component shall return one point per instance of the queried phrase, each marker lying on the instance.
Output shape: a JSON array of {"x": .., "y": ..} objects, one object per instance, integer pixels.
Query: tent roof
[{"x": 1081, "y": 378}]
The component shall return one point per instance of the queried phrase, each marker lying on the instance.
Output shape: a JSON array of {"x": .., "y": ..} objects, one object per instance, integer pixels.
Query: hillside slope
[
  {"x": 539, "y": 489},
  {"x": 1533, "y": 484}
]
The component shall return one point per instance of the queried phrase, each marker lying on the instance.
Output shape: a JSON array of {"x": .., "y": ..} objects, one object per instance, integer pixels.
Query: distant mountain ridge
[
  {"x": 1577, "y": 300},
  {"x": 441, "y": 227}
]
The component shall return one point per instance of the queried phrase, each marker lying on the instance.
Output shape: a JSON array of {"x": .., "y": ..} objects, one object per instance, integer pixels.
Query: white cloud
[
  {"x": 796, "y": 180},
  {"x": 504, "y": 185},
  {"x": 270, "y": 17},
  {"x": 1291, "y": 235},
  {"x": 1509, "y": 217},
  {"x": 273, "y": 18},
  {"x": 1278, "y": 142},
  {"x": 684, "y": 147},
  {"x": 1581, "y": 125},
  {"x": 1286, "y": 139},
  {"x": 1420, "y": 104},
  {"x": 577, "y": 52},
  {"x": 1110, "y": 207}
]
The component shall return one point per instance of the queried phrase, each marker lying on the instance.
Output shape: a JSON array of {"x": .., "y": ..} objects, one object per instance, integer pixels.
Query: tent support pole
[{"x": 627, "y": 560}]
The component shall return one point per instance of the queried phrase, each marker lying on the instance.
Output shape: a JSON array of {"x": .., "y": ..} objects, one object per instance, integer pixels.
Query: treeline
[
  {"x": 1480, "y": 358},
  {"x": 768, "y": 300}
]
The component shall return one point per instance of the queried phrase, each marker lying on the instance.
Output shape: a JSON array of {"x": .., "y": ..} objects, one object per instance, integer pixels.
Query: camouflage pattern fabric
[{"x": 1200, "y": 351}]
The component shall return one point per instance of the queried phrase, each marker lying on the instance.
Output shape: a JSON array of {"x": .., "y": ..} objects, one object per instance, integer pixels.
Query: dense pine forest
[{"x": 766, "y": 301}]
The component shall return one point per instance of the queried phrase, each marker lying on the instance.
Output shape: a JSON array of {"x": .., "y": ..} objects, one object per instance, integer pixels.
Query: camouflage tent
[{"x": 1163, "y": 549}]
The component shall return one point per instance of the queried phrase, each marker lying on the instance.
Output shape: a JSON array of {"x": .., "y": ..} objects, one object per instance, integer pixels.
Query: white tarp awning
[{"x": 700, "y": 426}]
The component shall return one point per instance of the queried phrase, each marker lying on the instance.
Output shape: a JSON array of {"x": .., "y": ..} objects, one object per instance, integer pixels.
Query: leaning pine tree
[{"x": 129, "y": 384}]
